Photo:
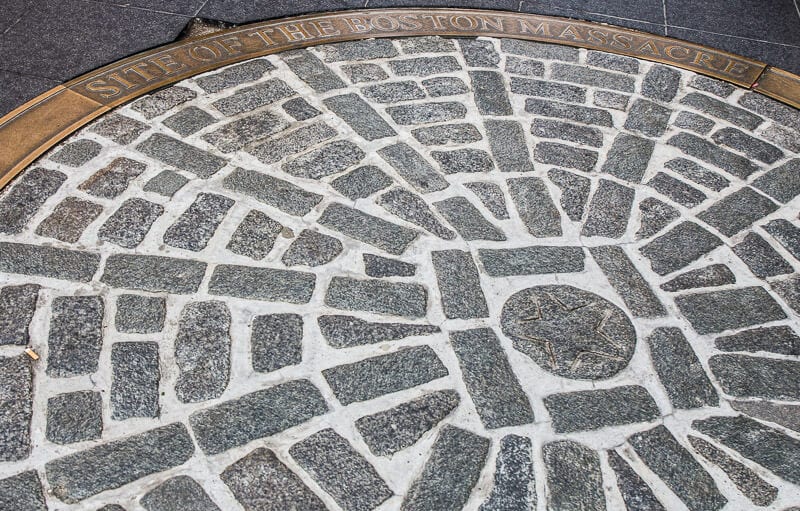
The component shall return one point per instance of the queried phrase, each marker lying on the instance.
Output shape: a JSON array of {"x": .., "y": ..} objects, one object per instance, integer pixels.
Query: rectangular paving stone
[
  {"x": 676, "y": 189},
  {"x": 243, "y": 131},
  {"x": 140, "y": 314},
  {"x": 76, "y": 336},
  {"x": 69, "y": 219},
  {"x": 361, "y": 182},
  {"x": 114, "y": 464},
  {"x": 694, "y": 122},
  {"x": 612, "y": 62},
  {"x": 22, "y": 492},
  {"x": 715, "y": 87},
  {"x": 535, "y": 206},
  {"x": 232, "y": 76},
  {"x": 778, "y": 112},
  {"x": 595, "y": 409},
  {"x": 662, "y": 453},
  {"x": 608, "y": 99},
  {"x": 134, "y": 381},
  {"x": 130, "y": 223},
  {"x": 574, "y": 477},
  {"x": 489, "y": 90},
  {"x": 459, "y": 285},
  {"x": 773, "y": 450},
  {"x": 203, "y": 351},
  {"x": 165, "y": 183},
  {"x": 370, "y": 229},
  {"x": 463, "y": 160},
  {"x": 361, "y": 117},
  {"x": 495, "y": 390},
  {"x": 272, "y": 191},
  {"x": 491, "y": 196},
  {"x": 628, "y": 157},
  {"x": 525, "y": 67},
  {"x": 424, "y": 66},
  {"x": 300, "y": 109},
  {"x": 255, "y": 96},
  {"x": 395, "y": 298},
  {"x": 679, "y": 370},
  {"x": 17, "y": 306},
  {"x": 341, "y": 471},
  {"x": 394, "y": 92},
  {"x": 423, "y": 113},
  {"x": 787, "y": 235},
  {"x": 276, "y": 341},
  {"x": 592, "y": 77},
  {"x": 426, "y": 44},
  {"x": 153, "y": 273},
  {"x": 16, "y": 409},
  {"x": 711, "y": 153},
  {"x": 113, "y": 179},
  {"x": 574, "y": 192},
  {"x": 459, "y": 133},
  {"x": 256, "y": 415},
  {"x": 694, "y": 172},
  {"x": 508, "y": 145},
  {"x": 535, "y": 260},
  {"x": 751, "y": 146},
  {"x": 276, "y": 148},
  {"x": 75, "y": 154},
  {"x": 548, "y": 89},
  {"x": 261, "y": 482},
  {"x": 563, "y": 155},
  {"x": 262, "y": 283},
  {"x": 348, "y": 331},
  {"x": 514, "y": 478},
  {"x": 776, "y": 339},
  {"x": 684, "y": 243},
  {"x": 311, "y": 70},
  {"x": 52, "y": 262},
  {"x": 539, "y": 50},
  {"x": 28, "y": 193},
  {"x": 648, "y": 118},
  {"x": 789, "y": 290},
  {"x": 331, "y": 158},
  {"x": 368, "y": 49},
  {"x": 609, "y": 210},
  {"x": 413, "y": 167},
  {"x": 163, "y": 100},
  {"x": 781, "y": 183},
  {"x": 467, "y": 220},
  {"x": 628, "y": 282},
  {"x": 737, "y": 211},
  {"x": 393, "y": 430},
  {"x": 760, "y": 257},
  {"x": 377, "y": 266},
  {"x": 384, "y": 374},
  {"x": 635, "y": 492},
  {"x": 722, "y": 110},
  {"x": 717, "y": 311},
  {"x": 195, "y": 227},
  {"x": 549, "y": 128},
  {"x": 181, "y": 155},
  {"x": 444, "y": 86},
  {"x": 478, "y": 53},
  {"x": 451, "y": 471},
  {"x": 120, "y": 128},
  {"x": 583, "y": 114},
  {"x": 755, "y": 377},
  {"x": 180, "y": 493}
]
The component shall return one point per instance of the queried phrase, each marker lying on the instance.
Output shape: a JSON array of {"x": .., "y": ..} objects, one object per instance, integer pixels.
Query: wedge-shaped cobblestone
[
  {"x": 348, "y": 331},
  {"x": 130, "y": 223},
  {"x": 627, "y": 281},
  {"x": 272, "y": 191},
  {"x": 393, "y": 430},
  {"x": 514, "y": 480},
  {"x": 341, "y": 471},
  {"x": 679, "y": 370},
  {"x": 300, "y": 109},
  {"x": 677, "y": 190},
  {"x": 75, "y": 336},
  {"x": 786, "y": 415},
  {"x": 256, "y": 415},
  {"x": 329, "y": 159},
  {"x": 609, "y": 210},
  {"x": 654, "y": 215},
  {"x": 162, "y": 101},
  {"x": 377, "y": 266},
  {"x": 361, "y": 117},
  {"x": 235, "y": 75},
  {"x": 275, "y": 148},
  {"x": 22, "y": 492},
  {"x": 56, "y": 263},
  {"x": 491, "y": 196},
  {"x": 452, "y": 470},
  {"x": 535, "y": 260},
  {"x": 478, "y": 53},
  {"x": 787, "y": 235},
  {"x": 24, "y": 199},
  {"x": 69, "y": 219},
  {"x": 181, "y": 493},
  {"x": 678, "y": 247},
  {"x": 495, "y": 391},
  {"x": 245, "y": 130},
  {"x": 508, "y": 144},
  {"x": 662, "y": 453},
  {"x": 261, "y": 482},
  {"x": 636, "y": 494},
  {"x": 574, "y": 192},
  {"x": 113, "y": 179},
  {"x": 467, "y": 220},
  {"x": 584, "y": 114},
  {"x": 781, "y": 183},
  {"x": 153, "y": 273},
  {"x": 732, "y": 308},
  {"x": 135, "y": 376},
  {"x": 738, "y": 211},
  {"x": 751, "y": 146},
  {"x": 311, "y": 70},
  {"x": 120, "y": 128},
  {"x": 367, "y": 228},
  {"x": 775, "y": 339},
  {"x": 17, "y": 305},
  {"x": 203, "y": 351},
  {"x": 384, "y": 374},
  {"x": 722, "y": 110},
  {"x": 382, "y": 297},
  {"x": 181, "y": 155},
  {"x": 595, "y": 409},
  {"x": 711, "y": 153},
  {"x": 262, "y": 283},
  {"x": 574, "y": 480},
  {"x": 249, "y": 98},
  {"x": 16, "y": 408},
  {"x": 535, "y": 206},
  {"x": 459, "y": 285},
  {"x": 760, "y": 257},
  {"x": 114, "y": 464},
  {"x": 312, "y": 248},
  {"x": 74, "y": 417},
  {"x": 413, "y": 168},
  {"x": 195, "y": 227},
  {"x": 276, "y": 341},
  {"x": 746, "y": 376},
  {"x": 697, "y": 174},
  {"x": 648, "y": 118}
]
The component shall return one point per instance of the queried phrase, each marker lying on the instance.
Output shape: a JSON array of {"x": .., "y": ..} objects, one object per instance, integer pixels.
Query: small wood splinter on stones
[{"x": 31, "y": 353}]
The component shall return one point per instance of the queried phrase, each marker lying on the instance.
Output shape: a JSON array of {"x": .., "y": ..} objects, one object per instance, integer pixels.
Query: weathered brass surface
[{"x": 39, "y": 124}]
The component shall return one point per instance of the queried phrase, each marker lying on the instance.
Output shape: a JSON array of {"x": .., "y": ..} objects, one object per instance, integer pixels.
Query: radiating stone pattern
[{"x": 419, "y": 274}]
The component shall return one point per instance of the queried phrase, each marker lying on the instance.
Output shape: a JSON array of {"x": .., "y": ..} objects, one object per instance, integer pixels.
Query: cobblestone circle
[{"x": 416, "y": 274}]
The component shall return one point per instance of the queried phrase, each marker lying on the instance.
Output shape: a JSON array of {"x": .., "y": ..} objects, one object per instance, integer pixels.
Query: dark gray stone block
[
  {"x": 359, "y": 73},
  {"x": 75, "y": 154},
  {"x": 707, "y": 276},
  {"x": 444, "y": 86},
  {"x": 452, "y": 470},
  {"x": 74, "y": 417},
  {"x": 113, "y": 179},
  {"x": 203, "y": 351},
  {"x": 781, "y": 183},
  {"x": 189, "y": 120},
  {"x": 181, "y": 155},
  {"x": 785, "y": 415},
  {"x": 368, "y": 49},
  {"x": 680, "y": 371},
  {"x": 776, "y": 339},
  {"x": 491, "y": 96},
  {"x": 312, "y": 248},
  {"x": 392, "y": 430},
  {"x": 427, "y": 44},
  {"x": 181, "y": 493},
  {"x": 525, "y": 67},
  {"x": 549, "y": 128},
  {"x": 424, "y": 113},
  {"x": 331, "y": 158},
  {"x": 153, "y": 273},
  {"x": 539, "y": 50},
  {"x": 535, "y": 206},
  {"x": 243, "y": 131},
  {"x": 628, "y": 157},
  {"x": 17, "y": 306},
  {"x": 722, "y": 110},
  {"x": 565, "y": 156},
  {"x": 413, "y": 167},
  {"x": 676, "y": 190},
  {"x": 492, "y": 197},
  {"x": 574, "y": 192},
  {"x": 577, "y": 113},
  {"x": 760, "y": 257},
  {"x": 662, "y": 453},
  {"x": 595, "y": 409},
  {"x": 694, "y": 172},
  {"x": 459, "y": 285},
  {"x": 361, "y": 182},
  {"x": 76, "y": 335},
  {"x": 778, "y": 112},
  {"x": 56, "y": 263},
  {"x": 162, "y": 101},
  {"x": 69, "y": 219},
  {"x": 609, "y": 210},
  {"x": 574, "y": 479},
  {"x": 612, "y": 62},
  {"x": 135, "y": 377},
  {"x": 22, "y": 492},
  {"x": 535, "y": 260},
  {"x": 478, "y": 53},
  {"x": 232, "y": 76},
  {"x": 256, "y": 415},
  {"x": 367, "y": 228},
  {"x": 514, "y": 480},
  {"x": 716, "y": 311},
  {"x": 114, "y": 464},
  {"x": 648, "y": 118},
  {"x": 628, "y": 282},
  {"x": 751, "y": 146},
  {"x": 272, "y": 191},
  {"x": 787, "y": 235},
  {"x": 661, "y": 83},
  {"x": 299, "y": 109},
  {"x": 654, "y": 215},
  {"x": 557, "y": 91},
  {"x": 463, "y": 160},
  {"x": 30, "y": 191},
  {"x": 377, "y": 266},
  {"x": 261, "y": 482},
  {"x": 613, "y": 100},
  {"x": 255, "y": 96},
  {"x": 394, "y": 92},
  {"x": 347, "y": 331},
  {"x": 121, "y": 129},
  {"x": 268, "y": 284},
  {"x": 195, "y": 227},
  {"x": 424, "y": 66},
  {"x": 711, "y": 153},
  {"x": 737, "y": 211},
  {"x": 16, "y": 408},
  {"x": 166, "y": 183},
  {"x": 412, "y": 208},
  {"x": 276, "y": 341},
  {"x": 746, "y": 376},
  {"x": 384, "y": 374},
  {"x": 130, "y": 223},
  {"x": 361, "y": 117},
  {"x": 395, "y": 298},
  {"x": 694, "y": 122},
  {"x": 684, "y": 243},
  {"x": 495, "y": 391},
  {"x": 715, "y": 87},
  {"x": 341, "y": 471},
  {"x": 140, "y": 314},
  {"x": 638, "y": 496},
  {"x": 446, "y": 134},
  {"x": 508, "y": 144},
  {"x": 467, "y": 220},
  {"x": 592, "y": 77}
]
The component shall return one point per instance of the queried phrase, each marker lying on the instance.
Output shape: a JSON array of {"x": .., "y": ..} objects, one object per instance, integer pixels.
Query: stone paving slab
[{"x": 411, "y": 274}]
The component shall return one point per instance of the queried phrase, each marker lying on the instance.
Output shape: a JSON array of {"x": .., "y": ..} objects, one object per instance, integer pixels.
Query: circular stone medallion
[{"x": 569, "y": 332}]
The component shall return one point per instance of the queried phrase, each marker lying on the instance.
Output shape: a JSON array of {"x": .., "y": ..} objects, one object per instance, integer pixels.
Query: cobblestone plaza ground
[{"x": 417, "y": 274}]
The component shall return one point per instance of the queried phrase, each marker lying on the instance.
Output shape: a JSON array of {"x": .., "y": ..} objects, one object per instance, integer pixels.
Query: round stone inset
[{"x": 569, "y": 332}]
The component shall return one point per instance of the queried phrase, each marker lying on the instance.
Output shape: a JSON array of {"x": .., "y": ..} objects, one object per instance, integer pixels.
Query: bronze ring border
[{"x": 39, "y": 124}]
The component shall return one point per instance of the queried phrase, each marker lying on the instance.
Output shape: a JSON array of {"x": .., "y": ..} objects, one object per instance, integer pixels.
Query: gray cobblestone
[
  {"x": 356, "y": 224},
  {"x": 447, "y": 133},
  {"x": 467, "y": 220},
  {"x": 348, "y": 331},
  {"x": 737, "y": 211},
  {"x": 548, "y": 128},
  {"x": 130, "y": 223},
  {"x": 361, "y": 117},
  {"x": 56, "y": 263},
  {"x": 75, "y": 154},
  {"x": 679, "y": 370},
  {"x": 514, "y": 480},
  {"x": 459, "y": 285},
  {"x": 166, "y": 183},
  {"x": 592, "y": 77},
  {"x": 22, "y": 492},
  {"x": 427, "y": 44},
  {"x": 525, "y": 67},
  {"x": 613, "y": 100},
  {"x": 76, "y": 335},
  {"x": 120, "y": 128},
  {"x": 609, "y": 210},
  {"x": 444, "y": 86},
  {"x": 584, "y": 114},
  {"x": 331, "y": 158},
  {"x": 181, "y": 155},
  {"x": 722, "y": 110},
  {"x": 694, "y": 122},
  {"x": 311, "y": 70},
  {"x": 478, "y": 53},
  {"x": 697, "y": 174},
  {"x": 368, "y": 49},
  {"x": 300, "y": 109},
  {"x": 534, "y": 260},
  {"x": 781, "y": 183},
  {"x": 491, "y": 196},
  {"x": 546, "y": 89},
  {"x": 377, "y": 266},
  {"x": 747, "y": 376},
  {"x": 661, "y": 83},
  {"x": 312, "y": 248},
  {"x": 394, "y": 92},
  {"x": 684, "y": 243},
  {"x": 140, "y": 314},
  {"x": 235, "y": 75},
  {"x": 717, "y": 311},
  {"x": 412, "y": 208},
  {"x": 162, "y": 101},
  {"x": 654, "y": 215},
  {"x": 716, "y": 87},
  {"x": 181, "y": 493},
  {"x": 508, "y": 144},
  {"x": 707, "y": 276},
  {"x": 535, "y": 206},
  {"x": 23, "y": 200},
  {"x": 490, "y": 93},
  {"x": 574, "y": 479},
  {"x": 262, "y": 283},
  {"x": 359, "y": 73},
  {"x": 710, "y": 153},
  {"x": 635, "y": 492},
  {"x": 413, "y": 167},
  {"x": 424, "y": 66},
  {"x": 612, "y": 62},
  {"x": 628, "y": 157},
  {"x": 17, "y": 306},
  {"x": 778, "y": 112},
  {"x": 574, "y": 192},
  {"x": 249, "y": 98},
  {"x": 595, "y": 409},
  {"x": 787, "y": 235},
  {"x": 539, "y": 50},
  {"x": 395, "y": 298},
  {"x": 760, "y": 257},
  {"x": 203, "y": 351},
  {"x": 629, "y": 284},
  {"x": 648, "y": 118},
  {"x": 153, "y": 273},
  {"x": 272, "y": 191},
  {"x": 69, "y": 219},
  {"x": 423, "y": 113},
  {"x": 276, "y": 341},
  {"x": 563, "y": 155},
  {"x": 243, "y": 131},
  {"x": 16, "y": 409},
  {"x": 189, "y": 120},
  {"x": 384, "y": 374},
  {"x": 195, "y": 227},
  {"x": 751, "y": 146},
  {"x": 776, "y": 339},
  {"x": 361, "y": 182},
  {"x": 135, "y": 377},
  {"x": 787, "y": 416},
  {"x": 676, "y": 190}
]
